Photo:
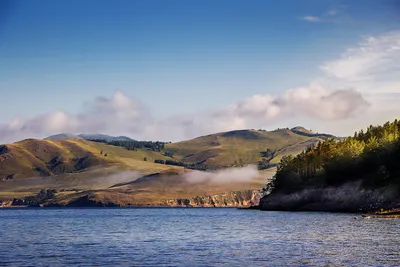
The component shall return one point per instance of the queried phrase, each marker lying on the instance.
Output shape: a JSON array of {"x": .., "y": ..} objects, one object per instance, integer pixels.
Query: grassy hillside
[
  {"x": 32, "y": 158},
  {"x": 76, "y": 166},
  {"x": 158, "y": 188},
  {"x": 237, "y": 148},
  {"x": 71, "y": 165}
]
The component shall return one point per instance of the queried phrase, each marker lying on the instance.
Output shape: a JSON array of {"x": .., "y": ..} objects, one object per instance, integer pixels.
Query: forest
[
  {"x": 371, "y": 156},
  {"x": 193, "y": 166},
  {"x": 133, "y": 145}
]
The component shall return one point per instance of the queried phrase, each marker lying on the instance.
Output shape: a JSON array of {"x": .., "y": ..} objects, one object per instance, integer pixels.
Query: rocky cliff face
[
  {"x": 6, "y": 203},
  {"x": 245, "y": 198},
  {"x": 351, "y": 197}
]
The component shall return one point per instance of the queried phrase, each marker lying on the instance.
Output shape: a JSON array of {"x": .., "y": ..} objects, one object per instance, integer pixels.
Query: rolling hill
[
  {"x": 89, "y": 137},
  {"x": 63, "y": 136},
  {"x": 242, "y": 147},
  {"x": 168, "y": 188},
  {"x": 107, "y": 138},
  {"x": 32, "y": 158},
  {"x": 80, "y": 168}
]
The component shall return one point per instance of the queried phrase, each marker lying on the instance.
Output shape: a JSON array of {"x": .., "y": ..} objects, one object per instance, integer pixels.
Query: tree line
[
  {"x": 193, "y": 166},
  {"x": 134, "y": 145},
  {"x": 40, "y": 197},
  {"x": 370, "y": 156}
]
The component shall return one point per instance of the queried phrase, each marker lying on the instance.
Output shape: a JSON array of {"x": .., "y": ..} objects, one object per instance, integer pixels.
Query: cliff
[
  {"x": 244, "y": 198},
  {"x": 350, "y": 197}
]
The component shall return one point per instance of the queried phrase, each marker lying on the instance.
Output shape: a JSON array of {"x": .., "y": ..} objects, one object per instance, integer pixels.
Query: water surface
[{"x": 193, "y": 237}]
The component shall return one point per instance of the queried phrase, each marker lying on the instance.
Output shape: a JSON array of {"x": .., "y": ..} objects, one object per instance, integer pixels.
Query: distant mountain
[
  {"x": 107, "y": 138},
  {"x": 62, "y": 136}
]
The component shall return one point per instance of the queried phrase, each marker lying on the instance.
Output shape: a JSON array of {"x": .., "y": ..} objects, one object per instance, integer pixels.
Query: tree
[{"x": 370, "y": 156}]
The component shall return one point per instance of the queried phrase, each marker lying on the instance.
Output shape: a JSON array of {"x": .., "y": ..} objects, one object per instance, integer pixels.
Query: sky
[{"x": 171, "y": 70}]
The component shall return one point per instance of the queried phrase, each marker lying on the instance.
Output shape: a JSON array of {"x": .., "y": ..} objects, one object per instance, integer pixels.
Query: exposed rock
[
  {"x": 351, "y": 197},
  {"x": 245, "y": 198},
  {"x": 6, "y": 203}
]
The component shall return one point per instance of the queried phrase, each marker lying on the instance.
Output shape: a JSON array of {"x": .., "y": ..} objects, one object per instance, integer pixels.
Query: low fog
[
  {"x": 118, "y": 178},
  {"x": 85, "y": 181},
  {"x": 232, "y": 175}
]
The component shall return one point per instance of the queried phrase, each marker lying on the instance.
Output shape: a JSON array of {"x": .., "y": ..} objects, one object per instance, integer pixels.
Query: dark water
[{"x": 193, "y": 237}]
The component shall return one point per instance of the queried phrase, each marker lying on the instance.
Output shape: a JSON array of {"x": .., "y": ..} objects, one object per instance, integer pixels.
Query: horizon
[
  {"x": 172, "y": 71},
  {"x": 80, "y": 135}
]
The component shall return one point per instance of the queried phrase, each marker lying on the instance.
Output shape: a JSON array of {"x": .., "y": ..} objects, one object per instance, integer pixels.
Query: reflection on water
[{"x": 194, "y": 237}]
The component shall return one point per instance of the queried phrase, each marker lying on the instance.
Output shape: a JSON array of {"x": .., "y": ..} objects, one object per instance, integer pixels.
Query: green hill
[
  {"x": 32, "y": 158},
  {"x": 74, "y": 166},
  {"x": 242, "y": 147}
]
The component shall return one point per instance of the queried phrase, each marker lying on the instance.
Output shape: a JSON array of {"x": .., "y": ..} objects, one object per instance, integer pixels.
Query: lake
[{"x": 193, "y": 237}]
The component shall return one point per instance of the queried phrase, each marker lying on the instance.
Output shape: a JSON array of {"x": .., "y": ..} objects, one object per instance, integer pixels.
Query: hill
[
  {"x": 32, "y": 158},
  {"x": 89, "y": 137},
  {"x": 359, "y": 173},
  {"x": 242, "y": 147},
  {"x": 62, "y": 136},
  {"x": 125, "y": 171},
  {"x": 168, "y": 188},
  {"x": 107, "y": 138},
  {"x": 71, "y": 165},
  {"x": 303, "y": 131}
]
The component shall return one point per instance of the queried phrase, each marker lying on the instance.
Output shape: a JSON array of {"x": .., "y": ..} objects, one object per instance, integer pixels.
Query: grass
[
  {"x": 31, "y": 162},
  {"x": 159, "y": 188},
  {"x": 32, "y": 158},
  {"x": 239, "y": 148}
]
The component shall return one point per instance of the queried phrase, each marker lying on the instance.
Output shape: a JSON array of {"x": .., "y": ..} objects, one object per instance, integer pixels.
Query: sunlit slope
[
  {"x": 158, "y": 188},
  {"x": 241, "y": 147},
  {"x": 32, "y": 158}
]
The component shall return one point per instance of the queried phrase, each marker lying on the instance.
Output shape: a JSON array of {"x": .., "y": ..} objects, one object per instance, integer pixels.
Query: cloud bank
[{"x": 345, "y": 92}]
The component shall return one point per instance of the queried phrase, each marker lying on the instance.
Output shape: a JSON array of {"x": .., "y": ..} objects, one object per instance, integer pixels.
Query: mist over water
[{"x": 231, "y": 175}]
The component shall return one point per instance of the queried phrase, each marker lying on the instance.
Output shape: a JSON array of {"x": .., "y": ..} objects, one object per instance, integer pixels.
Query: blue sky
[{"x": 174, "y": 57}]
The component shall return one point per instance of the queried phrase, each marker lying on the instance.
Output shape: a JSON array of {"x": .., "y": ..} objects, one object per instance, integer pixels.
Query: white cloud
[
  {"x": 121, "y": 114},
  {"x": 311, "y": 19},
  {"x": 328, "y": 16},
  {"x": 372, "y": 66},
  {"x": 115, "y": 115},
  {"x": 332, "y": 12},
  {"x": 345, "y": 94}
]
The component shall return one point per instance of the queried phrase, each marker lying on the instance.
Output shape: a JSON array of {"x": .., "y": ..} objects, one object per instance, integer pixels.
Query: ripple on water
[{"x": 194, "y": 237}]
